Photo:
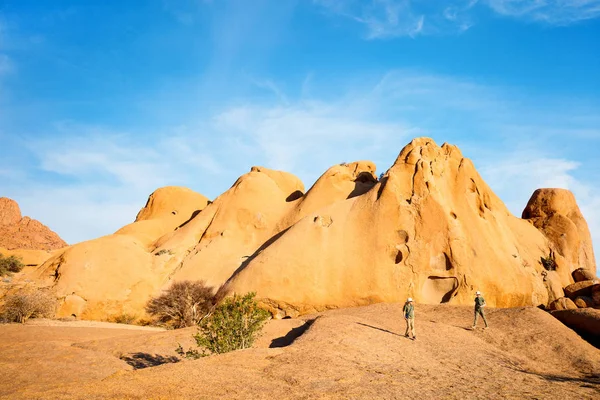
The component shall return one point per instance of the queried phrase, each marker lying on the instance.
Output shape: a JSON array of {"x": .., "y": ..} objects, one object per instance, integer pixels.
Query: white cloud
[
  {"x": 555, "y": 12},
  {"x": 397, "y": 18},
  {"x": 308, "y": 136},
  {"x": 394, "y": 18}
]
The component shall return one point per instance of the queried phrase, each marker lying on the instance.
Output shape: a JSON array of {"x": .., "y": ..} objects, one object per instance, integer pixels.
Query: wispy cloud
[
  {"x": 397, "y": 18},
  {"x": 393, "y": 18},
  {"x": 554, "y": 12}
]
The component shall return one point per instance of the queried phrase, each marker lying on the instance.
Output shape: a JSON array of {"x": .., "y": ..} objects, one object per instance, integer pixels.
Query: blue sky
[{"x": 101, "y": 102}]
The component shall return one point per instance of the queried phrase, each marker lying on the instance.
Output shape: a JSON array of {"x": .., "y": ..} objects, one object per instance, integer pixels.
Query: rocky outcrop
[
  {"x": 431, "y": 229},
  {"x": 585, "y": 321},
  {"x": 116, "y": 274},
  {"x": 582, "y": 274},
  {"x": 17, "y": 232},
  {"x": 564, "y": 303},
  {"x": 556, "y": 214}
]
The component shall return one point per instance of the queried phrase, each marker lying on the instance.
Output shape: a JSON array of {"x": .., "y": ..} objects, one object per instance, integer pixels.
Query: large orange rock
[
  {"x": 167, "y": 208},
  {"x": 431, "y": 229},
  {"x": 17, "y": 232},
  {"x": 117, "y": 273},
  {"x": 555, "y": 213}
]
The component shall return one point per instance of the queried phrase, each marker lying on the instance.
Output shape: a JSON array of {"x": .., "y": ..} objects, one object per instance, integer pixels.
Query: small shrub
[
  {"x": 19, "y": 307},
  {"x": 549, "y": 262},
  {"x": 124, "y": 318},
  {"x": 10, "y": 265},
  {"x": 184, "y": 304},
  {"x": 234, "y": 325}
]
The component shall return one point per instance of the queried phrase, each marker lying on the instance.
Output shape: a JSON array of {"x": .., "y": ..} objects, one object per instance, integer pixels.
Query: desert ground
[{"x": 357, "y": 353}]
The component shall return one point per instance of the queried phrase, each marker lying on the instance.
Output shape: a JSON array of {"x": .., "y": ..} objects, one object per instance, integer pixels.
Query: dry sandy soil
[{"x": 342, "y": 354}]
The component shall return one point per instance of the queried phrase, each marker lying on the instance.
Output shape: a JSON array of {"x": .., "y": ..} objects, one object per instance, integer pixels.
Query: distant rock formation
[
  {"x": 17, "y": 232},
  {"x": 430, "y": 229}
]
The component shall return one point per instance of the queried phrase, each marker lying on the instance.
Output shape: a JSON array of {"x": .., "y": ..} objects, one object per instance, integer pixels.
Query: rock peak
[
  {"x": 17, "y": 232},
  {"x": 10, "y": 213}
]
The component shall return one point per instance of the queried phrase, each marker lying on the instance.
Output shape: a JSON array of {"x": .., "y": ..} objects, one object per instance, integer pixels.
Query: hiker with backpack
[
  {"x": 409, "y": 316},
  {"x": 479, "y": 304}
]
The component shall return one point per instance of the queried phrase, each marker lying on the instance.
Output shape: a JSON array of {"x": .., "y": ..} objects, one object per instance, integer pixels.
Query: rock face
[
  {"x": 555, "y": 213},
  {"x": 17, "y": 232},
  {"x": 117, "y": 273},
  {"x": 430, "y": 229}
]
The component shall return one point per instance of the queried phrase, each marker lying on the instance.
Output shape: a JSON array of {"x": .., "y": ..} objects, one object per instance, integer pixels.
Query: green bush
[
  {"x": 234, "y": 325},
  {"x": 10, "y": 265},
  {"x": 21, "y": 306},
  {"x": 184, "y": 304}
]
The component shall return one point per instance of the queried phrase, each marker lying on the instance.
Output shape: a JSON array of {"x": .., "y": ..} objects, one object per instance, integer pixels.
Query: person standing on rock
[
  {"x": 409, "y": 316},
  {"x": 479, "y": 304}
]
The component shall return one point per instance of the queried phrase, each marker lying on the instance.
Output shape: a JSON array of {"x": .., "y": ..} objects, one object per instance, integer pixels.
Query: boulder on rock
[
  {"x": 564, "y": 303},
  {"x": 583, "y": 288},
  {"x": 585, "y": 320},
  {"x": 556, "y": 214},
  {"x": 584, "y": 302},
  {"x": 582, "y": 274}
]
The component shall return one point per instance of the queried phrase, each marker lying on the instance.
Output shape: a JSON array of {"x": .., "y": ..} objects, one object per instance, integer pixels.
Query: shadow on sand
[{"x": 380, "y": 329}]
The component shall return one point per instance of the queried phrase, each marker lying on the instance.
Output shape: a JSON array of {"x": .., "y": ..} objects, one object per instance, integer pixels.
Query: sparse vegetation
[
  {"x": 235, "y": 324},
  {"x": 184, "y": 304},
  {"x": 124, "y": 318},
  {"x": 21, "y": 306},
  {"x": 549, "y": 262},
  {"x": 10, "y": 265},
  {"x": 163, "y": 251}
]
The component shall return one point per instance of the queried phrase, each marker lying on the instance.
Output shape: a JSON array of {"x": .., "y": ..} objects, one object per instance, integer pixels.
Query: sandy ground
[{"x": 357, "y": 353}]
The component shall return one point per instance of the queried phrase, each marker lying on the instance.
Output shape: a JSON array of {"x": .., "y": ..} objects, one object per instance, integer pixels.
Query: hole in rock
[
  {"x": 399, "y": 257},
  {"x": 294, "y": 196}
]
